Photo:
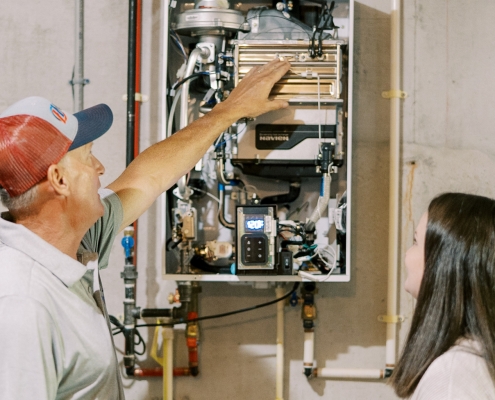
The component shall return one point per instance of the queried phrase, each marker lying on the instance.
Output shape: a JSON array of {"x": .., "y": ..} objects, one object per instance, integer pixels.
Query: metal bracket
[
  {"x": 391, "y": 319},
  {"x": 79, "y": 82},
  {"x": 208, "y": 52},
  {"x": 394, "y": 94}
]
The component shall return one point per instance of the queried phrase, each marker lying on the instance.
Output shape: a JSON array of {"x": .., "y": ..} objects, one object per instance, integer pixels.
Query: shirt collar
[{"x": 65, "y": 268}]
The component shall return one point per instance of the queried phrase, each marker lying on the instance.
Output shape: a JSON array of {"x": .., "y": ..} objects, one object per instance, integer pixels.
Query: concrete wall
[{"x": 446, "y": 145}]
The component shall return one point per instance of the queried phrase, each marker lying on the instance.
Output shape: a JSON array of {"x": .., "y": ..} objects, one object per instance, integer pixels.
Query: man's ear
[{"x": 57, "y": 178}]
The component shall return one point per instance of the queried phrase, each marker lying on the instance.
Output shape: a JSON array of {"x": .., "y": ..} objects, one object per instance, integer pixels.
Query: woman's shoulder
[{"x": 459, "y": 373}]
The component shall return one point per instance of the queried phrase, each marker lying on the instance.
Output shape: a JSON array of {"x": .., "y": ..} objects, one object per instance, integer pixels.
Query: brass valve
[{"x": 174, "y": 297}]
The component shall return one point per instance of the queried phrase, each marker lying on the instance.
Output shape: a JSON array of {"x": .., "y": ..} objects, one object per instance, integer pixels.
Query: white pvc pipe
[
  {"x": 309, "y": 349},
  {"x": 279, "y": 373},
  {"x": 349, "y": 373},
  {"x": 168, "y": 367},
  {"x": 394, "y": 194}
]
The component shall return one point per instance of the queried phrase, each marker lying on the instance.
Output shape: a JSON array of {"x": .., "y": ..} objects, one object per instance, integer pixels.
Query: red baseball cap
[{"x": 35, "y": 133}]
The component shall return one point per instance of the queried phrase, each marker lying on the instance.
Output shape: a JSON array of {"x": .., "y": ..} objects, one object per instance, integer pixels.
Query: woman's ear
[{"x": 57, "y": 179}]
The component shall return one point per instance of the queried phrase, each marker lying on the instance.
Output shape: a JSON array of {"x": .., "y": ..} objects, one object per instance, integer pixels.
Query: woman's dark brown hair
[{"x": 457, "y": 294}]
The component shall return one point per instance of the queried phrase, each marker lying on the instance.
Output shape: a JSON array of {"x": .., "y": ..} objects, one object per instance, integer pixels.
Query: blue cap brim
[{"x": 92, "y": 123}]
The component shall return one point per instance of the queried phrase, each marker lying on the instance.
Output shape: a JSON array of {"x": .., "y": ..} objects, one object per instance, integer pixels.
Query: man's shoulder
[
  {"x": 20, "y": 275},
  {"x": 14, "y": 262}
]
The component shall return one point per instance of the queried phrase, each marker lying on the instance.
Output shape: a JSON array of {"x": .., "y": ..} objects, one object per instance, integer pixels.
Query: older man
[{"x": 56, "y": 342}]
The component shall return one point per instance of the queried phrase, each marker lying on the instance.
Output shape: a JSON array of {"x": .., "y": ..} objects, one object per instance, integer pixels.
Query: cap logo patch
[{"x": 59, "y": 114}]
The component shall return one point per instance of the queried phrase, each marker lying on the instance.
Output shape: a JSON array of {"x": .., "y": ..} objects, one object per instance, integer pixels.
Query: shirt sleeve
[
  {"x": 101, "y": 235},
  {"x": 28, "y": 365}
]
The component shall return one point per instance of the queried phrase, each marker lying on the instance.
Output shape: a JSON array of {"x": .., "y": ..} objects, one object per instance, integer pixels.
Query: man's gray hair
[{"x": 21, "y": 202}]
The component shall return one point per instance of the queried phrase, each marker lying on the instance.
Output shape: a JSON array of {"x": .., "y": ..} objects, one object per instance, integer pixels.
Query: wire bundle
[{"x": 320, "y": 27}]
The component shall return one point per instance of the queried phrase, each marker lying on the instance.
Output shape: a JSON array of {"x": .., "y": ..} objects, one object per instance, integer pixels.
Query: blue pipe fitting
[{"x": 128, "y": 244}]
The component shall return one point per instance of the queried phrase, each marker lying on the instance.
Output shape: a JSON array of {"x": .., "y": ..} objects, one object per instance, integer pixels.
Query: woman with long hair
[{"x": 450, "y": 349}]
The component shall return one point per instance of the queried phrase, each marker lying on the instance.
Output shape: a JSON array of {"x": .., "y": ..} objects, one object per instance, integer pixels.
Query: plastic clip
[
  {"x": 137, "y": 97},
  {"x": 394, "y": 94},
  {"x": 83, "y": 81},
  {"x": 391, "y": 319}
]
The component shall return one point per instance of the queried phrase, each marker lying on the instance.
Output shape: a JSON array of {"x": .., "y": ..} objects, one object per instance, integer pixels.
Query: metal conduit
[{"x": 78, "y": 78}]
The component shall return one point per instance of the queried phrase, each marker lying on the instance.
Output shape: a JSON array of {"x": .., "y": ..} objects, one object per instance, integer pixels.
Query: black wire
[
  {"x": 140, "y": 341},
  {"x": 312, "y": 47},
  {"x": 120, "y": 329},
  {"x": 298, "y": 231},
  {"x": 325, "y": 10},
  {"x": 192, "y": 76},
  {"x": 320, "y": 42},
  {"x": 169, "y": 247},
  {"x": 182, "y": 320}
]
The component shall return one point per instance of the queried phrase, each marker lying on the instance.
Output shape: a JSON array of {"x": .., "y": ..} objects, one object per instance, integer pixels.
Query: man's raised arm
[{"x": 160, "y": 166}]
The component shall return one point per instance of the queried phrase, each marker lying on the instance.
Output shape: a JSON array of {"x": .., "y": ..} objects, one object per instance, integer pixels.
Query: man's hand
[
  {"x": 250, "y": 97},
  {"x": 160, "y": 166}
]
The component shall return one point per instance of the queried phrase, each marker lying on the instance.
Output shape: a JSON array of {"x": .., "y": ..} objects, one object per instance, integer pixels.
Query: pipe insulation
[{"x": 279, "y": 373}]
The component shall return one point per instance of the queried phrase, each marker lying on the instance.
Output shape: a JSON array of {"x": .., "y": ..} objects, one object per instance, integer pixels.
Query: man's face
[{"x": 83, "y": 171}]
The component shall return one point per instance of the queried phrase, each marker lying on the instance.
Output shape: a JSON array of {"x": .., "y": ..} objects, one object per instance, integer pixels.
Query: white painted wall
[{"x": 447, "y": 145}]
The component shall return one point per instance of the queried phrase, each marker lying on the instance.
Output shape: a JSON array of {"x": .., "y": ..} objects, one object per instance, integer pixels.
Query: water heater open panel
[{"x": 271, "y": 199}]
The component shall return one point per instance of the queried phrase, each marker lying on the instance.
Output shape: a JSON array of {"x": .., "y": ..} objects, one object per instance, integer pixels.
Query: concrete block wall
[{"x": 447, "y": 144}]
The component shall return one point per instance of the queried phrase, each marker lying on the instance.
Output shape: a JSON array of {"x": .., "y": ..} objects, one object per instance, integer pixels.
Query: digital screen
[{"x": 257, "y": 224}]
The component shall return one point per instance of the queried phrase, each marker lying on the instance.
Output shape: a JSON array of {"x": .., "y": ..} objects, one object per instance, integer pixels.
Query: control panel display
[
  {"x": 255, "y": 238},
  {"x": 255, "y": 224}
]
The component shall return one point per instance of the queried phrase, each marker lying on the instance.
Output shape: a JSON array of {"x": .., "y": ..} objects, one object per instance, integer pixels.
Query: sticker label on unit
[{"x": 285, "y": 137}]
